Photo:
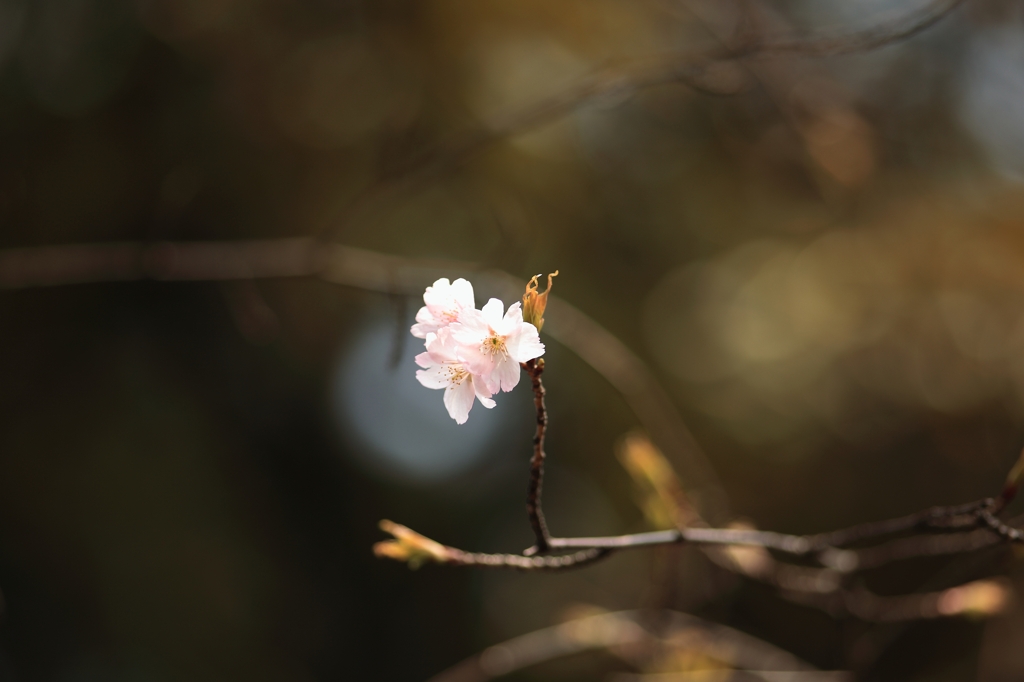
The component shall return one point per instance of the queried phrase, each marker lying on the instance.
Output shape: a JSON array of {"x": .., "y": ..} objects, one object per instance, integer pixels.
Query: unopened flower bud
[
  {"x": 409, "y": 546},
  {"x": 534, "y": 303}
]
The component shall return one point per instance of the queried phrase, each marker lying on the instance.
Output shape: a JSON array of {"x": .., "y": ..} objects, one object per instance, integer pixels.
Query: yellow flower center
[
  {"x": 457, "y": 374},
  {"x": 493, "y": 345}
]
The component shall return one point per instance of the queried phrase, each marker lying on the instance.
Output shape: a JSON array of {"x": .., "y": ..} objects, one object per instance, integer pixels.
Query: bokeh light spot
[{"x": 398, "y": 428}]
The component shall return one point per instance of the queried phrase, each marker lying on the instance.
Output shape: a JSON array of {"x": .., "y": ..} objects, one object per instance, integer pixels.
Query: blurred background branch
[{"x": 629, "y": 636}]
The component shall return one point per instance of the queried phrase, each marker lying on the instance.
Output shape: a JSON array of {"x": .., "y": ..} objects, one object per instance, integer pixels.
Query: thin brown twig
[
  {"x": 458, "y": 557},
  {"x": 953, "y": 519},
  {"x": 534, "y": 510},
  {"x": 949, "y": 517}
]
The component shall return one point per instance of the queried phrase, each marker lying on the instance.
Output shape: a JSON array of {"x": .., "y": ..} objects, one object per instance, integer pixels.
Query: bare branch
[
  {"x": 952, "y": 519},
  {"x": 797, "y": 579},
  {"x": 534, "y": 368},
  {"x": 578, "y": 559}
]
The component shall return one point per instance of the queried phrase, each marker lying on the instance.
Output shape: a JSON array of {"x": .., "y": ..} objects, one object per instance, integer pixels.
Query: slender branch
[
  {"x": 578, "y": 559},
  {"x": 595, "y": 548},
  {"x": 955, "y": 518},
  {"x": 950, "y": 518},
  {"x": 632, "y": 541},
  {"x": 534, "y": 511}
]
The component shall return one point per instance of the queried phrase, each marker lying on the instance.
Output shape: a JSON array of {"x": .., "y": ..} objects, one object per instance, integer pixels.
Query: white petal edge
[
  {"x": 462, "y": 292},
  {"x": 458, "y": 398},
  {"x": 506, "y": 374},
  {"x": 492, "y": 312},
  {"x": 434, "y": 377}
]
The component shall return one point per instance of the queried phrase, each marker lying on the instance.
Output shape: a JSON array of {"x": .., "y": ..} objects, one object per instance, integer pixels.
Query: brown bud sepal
[{"x": 534, "y": 303}]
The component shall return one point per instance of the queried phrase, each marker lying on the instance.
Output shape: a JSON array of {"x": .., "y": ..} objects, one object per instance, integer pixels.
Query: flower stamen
[{"x": 494, "y": 345}]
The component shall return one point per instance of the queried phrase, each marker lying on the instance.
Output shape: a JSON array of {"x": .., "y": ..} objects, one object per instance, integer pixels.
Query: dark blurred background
[{"x": 822, "y": 260}]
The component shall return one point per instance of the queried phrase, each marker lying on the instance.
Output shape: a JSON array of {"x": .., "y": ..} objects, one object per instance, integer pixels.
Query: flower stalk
[{"x": 542, "y": 538}]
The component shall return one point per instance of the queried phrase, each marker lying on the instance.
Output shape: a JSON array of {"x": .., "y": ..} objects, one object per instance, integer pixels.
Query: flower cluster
[{"x": 472, "y": 354}]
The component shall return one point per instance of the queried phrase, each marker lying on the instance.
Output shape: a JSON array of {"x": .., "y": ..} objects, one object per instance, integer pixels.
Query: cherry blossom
[
  {"x": 444, "y": 368},
  {"x": 492, "y": 345},
  {"x": 473, "y": 354},
  {"x": 444, "y": 302}
]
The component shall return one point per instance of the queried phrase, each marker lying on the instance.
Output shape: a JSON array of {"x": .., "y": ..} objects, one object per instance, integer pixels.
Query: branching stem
[{"x": 965, "y": 520}]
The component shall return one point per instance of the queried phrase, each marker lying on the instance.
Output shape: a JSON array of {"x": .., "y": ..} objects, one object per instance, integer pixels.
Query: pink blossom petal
[
  {"x": 444, "y": 304},
  {"x": 458, "y": 399},
  {"x": 482, "y": 394},
  {"x": 437, "y": 376},
  {"x": 470, "y": 353},
  {"x": 438, "y": 293},
  {"x": 505, "y": 374},
  {"x": 424, "y": 323},
  {"x": 471, "y": 329},
  {"x": 492, "y": 312},
  {"x": 524, "y": 343},
  {"x": 462, "y": 293},
  {"x": 439, "y": 346},
  {"x": 421, "y": 329},
  {"x": 477, "y": 361},
  {"x": 513, "y": 318}
]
